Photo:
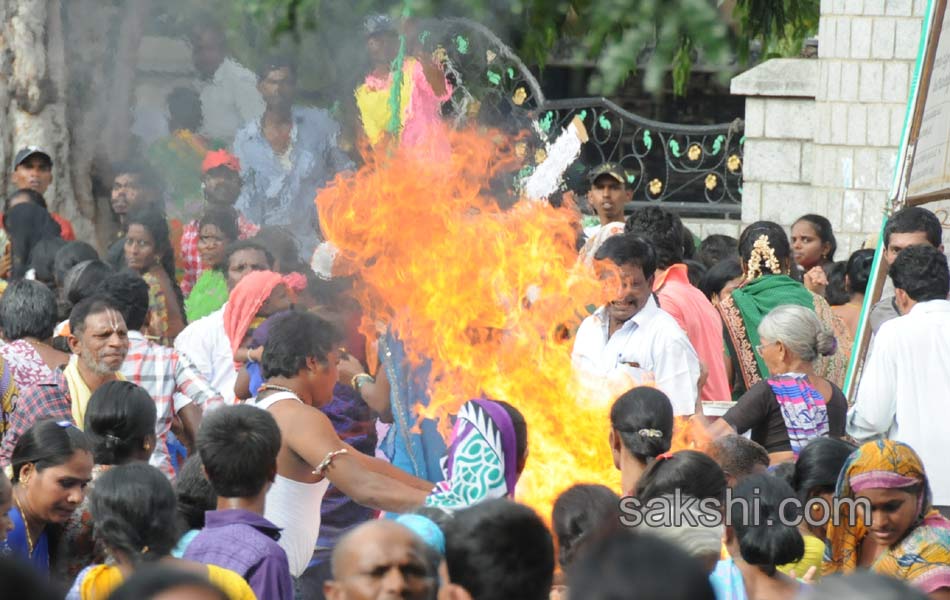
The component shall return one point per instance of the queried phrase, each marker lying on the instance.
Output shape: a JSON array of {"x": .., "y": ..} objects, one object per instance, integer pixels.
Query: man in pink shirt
[{"x": 689, "y": 306}]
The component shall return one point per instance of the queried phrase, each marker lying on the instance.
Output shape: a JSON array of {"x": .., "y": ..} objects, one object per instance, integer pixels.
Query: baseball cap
[
  {"x": 220, "y": 158},
  {"x": 29, "y": 151},
  {"x": 612, "y": 169}
]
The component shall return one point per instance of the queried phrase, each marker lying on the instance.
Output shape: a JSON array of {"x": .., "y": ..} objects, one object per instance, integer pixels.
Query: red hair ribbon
[{"x": 664, "y": 456}]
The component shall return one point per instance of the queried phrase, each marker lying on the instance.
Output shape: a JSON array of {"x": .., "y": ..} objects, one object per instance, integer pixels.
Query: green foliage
[
  {"x": 649, "y": 38},
  {"x": 780, "y": 25}
]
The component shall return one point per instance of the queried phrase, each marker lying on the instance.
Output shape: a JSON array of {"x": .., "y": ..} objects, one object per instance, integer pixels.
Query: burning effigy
[
  {"x": 487, "y": 295},
  {"x": 456, "y": 253}
]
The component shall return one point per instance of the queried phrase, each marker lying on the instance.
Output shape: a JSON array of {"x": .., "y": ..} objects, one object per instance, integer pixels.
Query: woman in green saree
[
  {"x": 766, "y": 263},
  {"x": 217, "y": 229}
]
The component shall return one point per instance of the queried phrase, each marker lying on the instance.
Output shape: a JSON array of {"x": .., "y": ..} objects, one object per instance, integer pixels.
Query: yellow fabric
[
  {"x": 8, "y": 396},
  {"x": 79, "y": 392},
  {"x": 232, "y": 583},
  {"x": 813, "y": 557},
  {"x": 373, "y": 103},
  {"x": 100, "y": 581}
]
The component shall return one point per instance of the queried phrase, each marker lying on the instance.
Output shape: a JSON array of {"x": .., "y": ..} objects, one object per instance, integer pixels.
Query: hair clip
[
  {"x": 664, "y": 456},
  {"x": 64, "y": 424},
  {"x": 650, "y": 433}
]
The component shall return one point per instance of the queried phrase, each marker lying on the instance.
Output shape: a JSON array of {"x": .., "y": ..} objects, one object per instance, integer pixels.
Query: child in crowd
[{"x": 238, "y": 446}]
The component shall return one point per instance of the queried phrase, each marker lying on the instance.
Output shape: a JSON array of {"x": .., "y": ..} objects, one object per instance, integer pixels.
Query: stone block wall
[
  {"x": 780, "y": 124},
  {"x": 822, "y": 135}
]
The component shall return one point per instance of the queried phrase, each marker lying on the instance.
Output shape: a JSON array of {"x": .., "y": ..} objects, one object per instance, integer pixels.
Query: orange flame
[
  {"x": 485, "y": 293},
  {"x": 689, "y": 435}
]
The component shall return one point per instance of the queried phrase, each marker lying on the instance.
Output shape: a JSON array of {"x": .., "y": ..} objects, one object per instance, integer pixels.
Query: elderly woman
[
  {"x": 793, "y": 404},
  {"x": 905, "y": 538},
  {"x": 766, "y": 264}
]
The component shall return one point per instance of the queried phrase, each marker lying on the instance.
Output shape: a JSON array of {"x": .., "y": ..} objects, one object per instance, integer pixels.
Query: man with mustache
[
  {"x": 99, "y": 341},
  {"x": 630, "y": 333}
]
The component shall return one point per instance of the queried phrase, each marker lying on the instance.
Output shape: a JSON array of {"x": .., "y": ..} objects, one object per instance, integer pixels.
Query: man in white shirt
[
  {"x": 903, "y": 391},
  {"x": 229, "y": 95},
  {"x": 205, "y": 341},
  {"x": 631, "y": 333}
]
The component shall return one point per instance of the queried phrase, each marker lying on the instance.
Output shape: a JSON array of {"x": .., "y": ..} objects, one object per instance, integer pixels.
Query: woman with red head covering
[{"x": 257, "y": 296}]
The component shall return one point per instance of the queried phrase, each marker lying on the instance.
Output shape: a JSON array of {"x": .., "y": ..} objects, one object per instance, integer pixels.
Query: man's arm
[
  {"x": 875, "y": 407},
  {"x": 388, "y": 470},
  {"x": 191, "y": 382},
  {"x": 190, "y": 416},
  {"x": 310, "y": 434},
  {"x": 676, "y": 370}
]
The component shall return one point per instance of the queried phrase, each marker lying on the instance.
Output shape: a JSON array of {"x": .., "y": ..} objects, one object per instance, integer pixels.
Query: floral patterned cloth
[
  {"x": 25, "y": 363},
  {"x": 922, "y": 557}
]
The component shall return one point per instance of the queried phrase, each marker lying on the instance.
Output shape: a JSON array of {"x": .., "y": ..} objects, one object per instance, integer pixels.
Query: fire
[
  {"x": 689, "y": 435},
  {"x": 485, "y": 293}
]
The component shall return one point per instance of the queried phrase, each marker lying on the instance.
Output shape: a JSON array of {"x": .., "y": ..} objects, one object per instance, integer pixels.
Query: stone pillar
[
  {"x": 779, "y": 147},
  {"x": 822, "y": 135}
]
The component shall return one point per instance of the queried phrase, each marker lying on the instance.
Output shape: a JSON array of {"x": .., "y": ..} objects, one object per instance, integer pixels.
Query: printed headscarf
[{"x": 922, "y": 557}]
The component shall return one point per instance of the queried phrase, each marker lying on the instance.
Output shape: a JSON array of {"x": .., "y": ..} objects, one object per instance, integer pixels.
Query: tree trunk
[{"x": 53, "y": 94}]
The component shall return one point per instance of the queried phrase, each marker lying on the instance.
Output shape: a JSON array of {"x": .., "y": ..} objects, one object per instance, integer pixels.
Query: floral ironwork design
[{"x": 693, "y": 168}]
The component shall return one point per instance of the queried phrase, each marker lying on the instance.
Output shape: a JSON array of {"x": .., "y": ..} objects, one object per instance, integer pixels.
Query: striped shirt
[{"x": 173, "y": 382}]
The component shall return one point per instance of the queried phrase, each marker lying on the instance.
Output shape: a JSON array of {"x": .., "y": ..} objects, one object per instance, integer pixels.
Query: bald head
[{"x": 379, "y": 560}]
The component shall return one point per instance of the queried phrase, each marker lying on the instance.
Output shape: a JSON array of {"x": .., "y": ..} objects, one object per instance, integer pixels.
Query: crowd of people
[{"x": 195, "y": 413}]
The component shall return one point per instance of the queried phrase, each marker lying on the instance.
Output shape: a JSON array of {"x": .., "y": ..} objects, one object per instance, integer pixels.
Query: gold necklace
[
  {"x": 277, "y": 388},
  {"x": 26, "y": 525}
]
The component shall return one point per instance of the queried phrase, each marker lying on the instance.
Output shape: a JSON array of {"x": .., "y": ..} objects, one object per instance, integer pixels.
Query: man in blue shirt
[{"x": 286, "y": 157}]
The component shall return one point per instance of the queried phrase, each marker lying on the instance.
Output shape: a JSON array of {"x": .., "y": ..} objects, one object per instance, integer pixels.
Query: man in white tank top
[{"x": 300, "y": 368}]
